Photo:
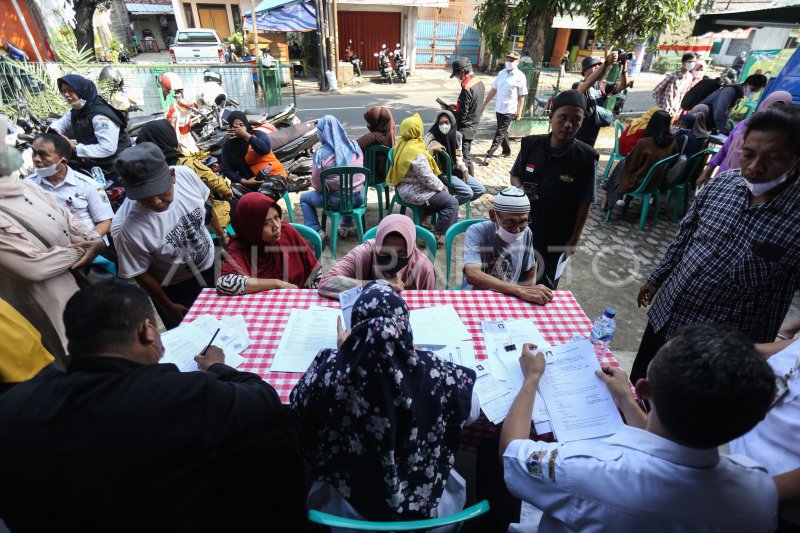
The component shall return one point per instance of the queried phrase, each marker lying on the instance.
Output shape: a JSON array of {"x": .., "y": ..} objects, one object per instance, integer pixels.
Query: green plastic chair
[
  {"x": 346, "y": 175},
  {"x": 445, "y": 163},
  {"x": 469, "y": 513},
  {"x": 311, "y": 236},
  {"x": 382, "y": 188},
  {"x": 289, "y": 208},
  {"x": 455, "y": 230},
  {"x": 422, "y": 233},
  {"x": 416, "y": 210},
  {"x": 682, "y": 185},
  {"x": 615, "y": 156},
  {"x": 649, "y": 189}
]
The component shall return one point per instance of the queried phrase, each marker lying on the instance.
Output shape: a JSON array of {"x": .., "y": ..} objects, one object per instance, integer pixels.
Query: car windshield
[{"x": 196, "y": 37}]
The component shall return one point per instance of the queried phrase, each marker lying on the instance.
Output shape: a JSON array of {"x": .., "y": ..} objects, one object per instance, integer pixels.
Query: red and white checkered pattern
[{"x": 266, "y": 314}]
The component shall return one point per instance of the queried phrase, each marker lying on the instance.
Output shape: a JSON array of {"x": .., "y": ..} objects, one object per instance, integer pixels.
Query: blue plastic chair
[
  {"x": 681, "y": 186},
  {"x": 445, "y": 163},
  {"x": 422, "y": 233},
  {"x": 289, "y": 208},
  {"x": 416, "y": 210},
  {"x": 311, "y": 236},
  {"x": 469, "y": 513},
  {"x": 649, "y": 189},
  {"x": 382, "y": 188},
  {"x": 615, "y": 155},
  {"x": 346, "y": 175},
  {"x": 452, "y": 232}
]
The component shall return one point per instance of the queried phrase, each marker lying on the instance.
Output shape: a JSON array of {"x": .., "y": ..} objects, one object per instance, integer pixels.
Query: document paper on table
[
  {"x": 184, "y": 342},
  {"x": 306, "y": 333},
  {"x": 505, "y": 370},
  {"x": 580, "y": 405},
  {"x": 347, "y": 299},
  {"x": 439, "y": 325}
]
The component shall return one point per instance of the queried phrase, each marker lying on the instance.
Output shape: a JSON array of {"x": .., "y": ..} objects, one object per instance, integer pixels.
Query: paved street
[{"x": 613, "y": 259}]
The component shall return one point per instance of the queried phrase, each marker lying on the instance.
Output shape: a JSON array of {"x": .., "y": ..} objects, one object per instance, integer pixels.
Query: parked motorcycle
[
  {"x": 112, "y": 87},
  {"x": 352, "y": 57},
  {"x": 400, "y": 67},
  {"x": 384, "y": 63}
]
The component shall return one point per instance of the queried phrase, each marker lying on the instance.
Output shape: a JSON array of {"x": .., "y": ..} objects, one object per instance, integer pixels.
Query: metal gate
[
  {"x": 368, "y": 32},
  {"x": 446, "y": 33}
]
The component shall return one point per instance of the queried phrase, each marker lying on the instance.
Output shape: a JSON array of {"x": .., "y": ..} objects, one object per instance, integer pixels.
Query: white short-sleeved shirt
[
  {"x": 636, "y": 481},
  {"x": 509, "y": 86},
  {"x": 165, "y": 244},
  {"x": 506, "y": 262},
  {"x": 105, "y": 130},
  {"x": 80, "y": 195}
]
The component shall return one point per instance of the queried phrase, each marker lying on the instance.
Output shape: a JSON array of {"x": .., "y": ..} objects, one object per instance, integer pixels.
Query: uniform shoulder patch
[{"x": 535, "y": 463}]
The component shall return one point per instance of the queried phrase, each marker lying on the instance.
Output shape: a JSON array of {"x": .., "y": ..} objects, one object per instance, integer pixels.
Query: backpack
[{"x": 699, "y": 92}]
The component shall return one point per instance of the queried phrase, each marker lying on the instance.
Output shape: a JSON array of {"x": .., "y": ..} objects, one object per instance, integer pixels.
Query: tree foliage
[{"x": 84, "y": 27}]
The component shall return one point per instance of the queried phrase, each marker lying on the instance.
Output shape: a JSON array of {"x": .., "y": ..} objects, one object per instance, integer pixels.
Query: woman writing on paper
[
  {"x": 265, "y": 253},
  {"x": 378, "y": 448},
  {"x": 392, "y": 255}
]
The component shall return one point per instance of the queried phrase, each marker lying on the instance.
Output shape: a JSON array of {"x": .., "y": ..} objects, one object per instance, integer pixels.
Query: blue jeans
[
  {"x": 466, "y": 190},
  {"x": 312, "y": 200}
]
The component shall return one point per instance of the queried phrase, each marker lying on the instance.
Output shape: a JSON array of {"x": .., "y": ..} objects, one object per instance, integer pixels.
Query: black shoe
[
  {"x": 506, "y": 154},
  {"x": 482, "y": 162}
]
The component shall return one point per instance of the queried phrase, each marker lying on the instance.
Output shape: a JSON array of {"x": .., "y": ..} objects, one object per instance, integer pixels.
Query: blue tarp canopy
[
  {"x": 787, "y": 80},
  {"x": 283, "y": 15}
]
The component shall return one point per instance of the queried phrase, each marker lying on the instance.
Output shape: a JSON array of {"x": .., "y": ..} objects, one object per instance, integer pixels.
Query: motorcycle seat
[
  {"x": 134, "y": 123},
  {"x": 284, "y": 136},
  {"x": 268, "y": 111}
]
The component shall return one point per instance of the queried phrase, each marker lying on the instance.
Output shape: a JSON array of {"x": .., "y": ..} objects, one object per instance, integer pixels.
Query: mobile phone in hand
[{"x": 442, "y": 103}]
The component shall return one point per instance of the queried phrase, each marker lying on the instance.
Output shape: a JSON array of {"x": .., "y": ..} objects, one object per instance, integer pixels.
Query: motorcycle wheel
[
  {"x": 391, "y": 81},
  {"x": 404, "y": 77},
  {"x": 358, "y": 71}
]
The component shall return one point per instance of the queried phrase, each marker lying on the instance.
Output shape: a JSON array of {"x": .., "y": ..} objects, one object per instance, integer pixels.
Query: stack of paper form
[
  {"x": 306, "y": 333},
  {"x": 186, "y": 341}
]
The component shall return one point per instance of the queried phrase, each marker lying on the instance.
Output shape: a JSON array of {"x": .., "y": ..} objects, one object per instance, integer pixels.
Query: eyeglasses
[{"x": 275, "y": 221}]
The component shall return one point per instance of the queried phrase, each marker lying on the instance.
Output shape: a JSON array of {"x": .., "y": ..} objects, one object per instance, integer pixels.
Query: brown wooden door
[
  {"x": 368, "y": 32},
  {"x": 214, "y": 18}
]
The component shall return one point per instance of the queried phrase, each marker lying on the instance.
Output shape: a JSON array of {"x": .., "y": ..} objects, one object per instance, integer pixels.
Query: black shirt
[
  {"x": 589, "y": 129},
  {"x": 113, "y": 445},
  {"x": 563, "y": 180},
  {"x": 468, "y": 111}
]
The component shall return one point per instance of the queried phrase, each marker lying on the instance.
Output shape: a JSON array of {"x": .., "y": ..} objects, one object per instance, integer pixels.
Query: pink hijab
[
  {"x": 418, "y": 273},
  {"x": 728, "y": 157}
]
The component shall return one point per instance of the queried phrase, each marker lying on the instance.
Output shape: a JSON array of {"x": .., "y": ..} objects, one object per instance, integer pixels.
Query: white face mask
[
  {"x": 444, "y": 128},
  {"x": 749, "y": 92},
  {"x": 689, "y": 66},
  {"x": 508, "y": 237},
  {"x": 757, "y": 189},
  {"x": 511, "y": 65},
  {"x": 46, "y": 172},
  {"x": 78, "y": 105}
]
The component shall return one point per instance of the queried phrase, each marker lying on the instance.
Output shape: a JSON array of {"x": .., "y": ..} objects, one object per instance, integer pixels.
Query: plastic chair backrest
[
  {"x": 346, "y": 192},
  {"x": 422, "y": 233},
  {"x": 619, "y": 127},
  {"x": 656, "y": 174},
  {"x": 694, "y": 163},
  {"x": 310, "y": 235},
  {"x": 389, "y": 160},
  {"x": 452, "y": 233},
  {"x": 445, "y": 163},
  {"x": 370, "y": 159},
  {"x": 330, "y": 520}
]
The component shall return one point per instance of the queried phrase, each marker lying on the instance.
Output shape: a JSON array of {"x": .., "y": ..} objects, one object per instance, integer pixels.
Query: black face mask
[{"x": 385, "y": 262}]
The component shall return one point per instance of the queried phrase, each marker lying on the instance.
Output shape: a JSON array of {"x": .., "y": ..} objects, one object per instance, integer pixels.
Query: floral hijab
[{"x": 381, "y": 422}]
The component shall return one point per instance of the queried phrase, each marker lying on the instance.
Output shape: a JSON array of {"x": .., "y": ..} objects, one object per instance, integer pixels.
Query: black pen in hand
[{"x": 210, "y": 342}]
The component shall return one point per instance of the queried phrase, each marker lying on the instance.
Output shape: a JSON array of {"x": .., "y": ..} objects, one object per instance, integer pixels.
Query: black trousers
[
  {"x": 490, "y": 485},
  {"x": 550, "y": 265},
  {"x": 501, "y": 134},
  {"x": 466, "y": 151},
  {"x": 650, "y": 345},
  {"x": 185, "y": 293}
]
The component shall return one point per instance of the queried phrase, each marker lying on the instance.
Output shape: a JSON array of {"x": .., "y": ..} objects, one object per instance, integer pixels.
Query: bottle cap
[{"x": 610, "y": 312}]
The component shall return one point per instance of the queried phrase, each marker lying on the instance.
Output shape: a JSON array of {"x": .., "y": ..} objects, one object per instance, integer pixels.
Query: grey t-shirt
[{"x": 506, "y": 262}]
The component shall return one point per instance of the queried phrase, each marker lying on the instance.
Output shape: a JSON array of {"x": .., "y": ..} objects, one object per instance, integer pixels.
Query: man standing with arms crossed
[{"x": 511, "y": 88}]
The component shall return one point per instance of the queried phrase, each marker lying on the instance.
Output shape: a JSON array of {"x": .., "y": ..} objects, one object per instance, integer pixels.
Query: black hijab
[
  {"x": 161, "y": 133},
  {"x": 449, "y": 141},
  {"x": 236, "y": 148}
]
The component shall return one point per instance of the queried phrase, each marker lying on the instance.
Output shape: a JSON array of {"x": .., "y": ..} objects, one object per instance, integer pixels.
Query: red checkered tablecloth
[{"x": 266, "y": 314}]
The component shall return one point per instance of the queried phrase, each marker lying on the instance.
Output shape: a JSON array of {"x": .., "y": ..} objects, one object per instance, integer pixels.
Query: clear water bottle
[
  {"x": 99, "y": 177},
  {"x": 603, "y": 331}
]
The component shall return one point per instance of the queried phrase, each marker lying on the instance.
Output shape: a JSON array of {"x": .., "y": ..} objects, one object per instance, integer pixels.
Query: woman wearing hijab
[
  {"x": 416, "y": 176},
  {"x": 40, "y": 244},
  {"x": 98, "y": 128},
  {"x": 700, "y": 112},
  {"x": 443, "y": 136},
  {"x": 380, "y": 124},
  {"x": 265, "y": 253},
  {"x": 392, "y": 255},
  {"x": 162, "y": 134},
  {"x": 657, "y": 143},
  {"x": 247, "y": 152},
  {"x": 381, "y": 421},
  {"x": 635, "y": 131},
  {"x": 336, "y": 151},
  {"x": 728, "y": 156}
]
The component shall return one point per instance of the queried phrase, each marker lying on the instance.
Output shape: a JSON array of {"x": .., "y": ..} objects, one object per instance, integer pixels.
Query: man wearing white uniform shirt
[
  {"x": 774, "y": 442},
  {"x": 81, "y": 195},
  {"x": 662, "y": 472},
  {"x": 160, "y": 233},
  {"x": 510, "y": 86}
]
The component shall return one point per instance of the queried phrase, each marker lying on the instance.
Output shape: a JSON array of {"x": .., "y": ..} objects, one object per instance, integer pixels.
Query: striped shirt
[{"x": 731, "y": 262}]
